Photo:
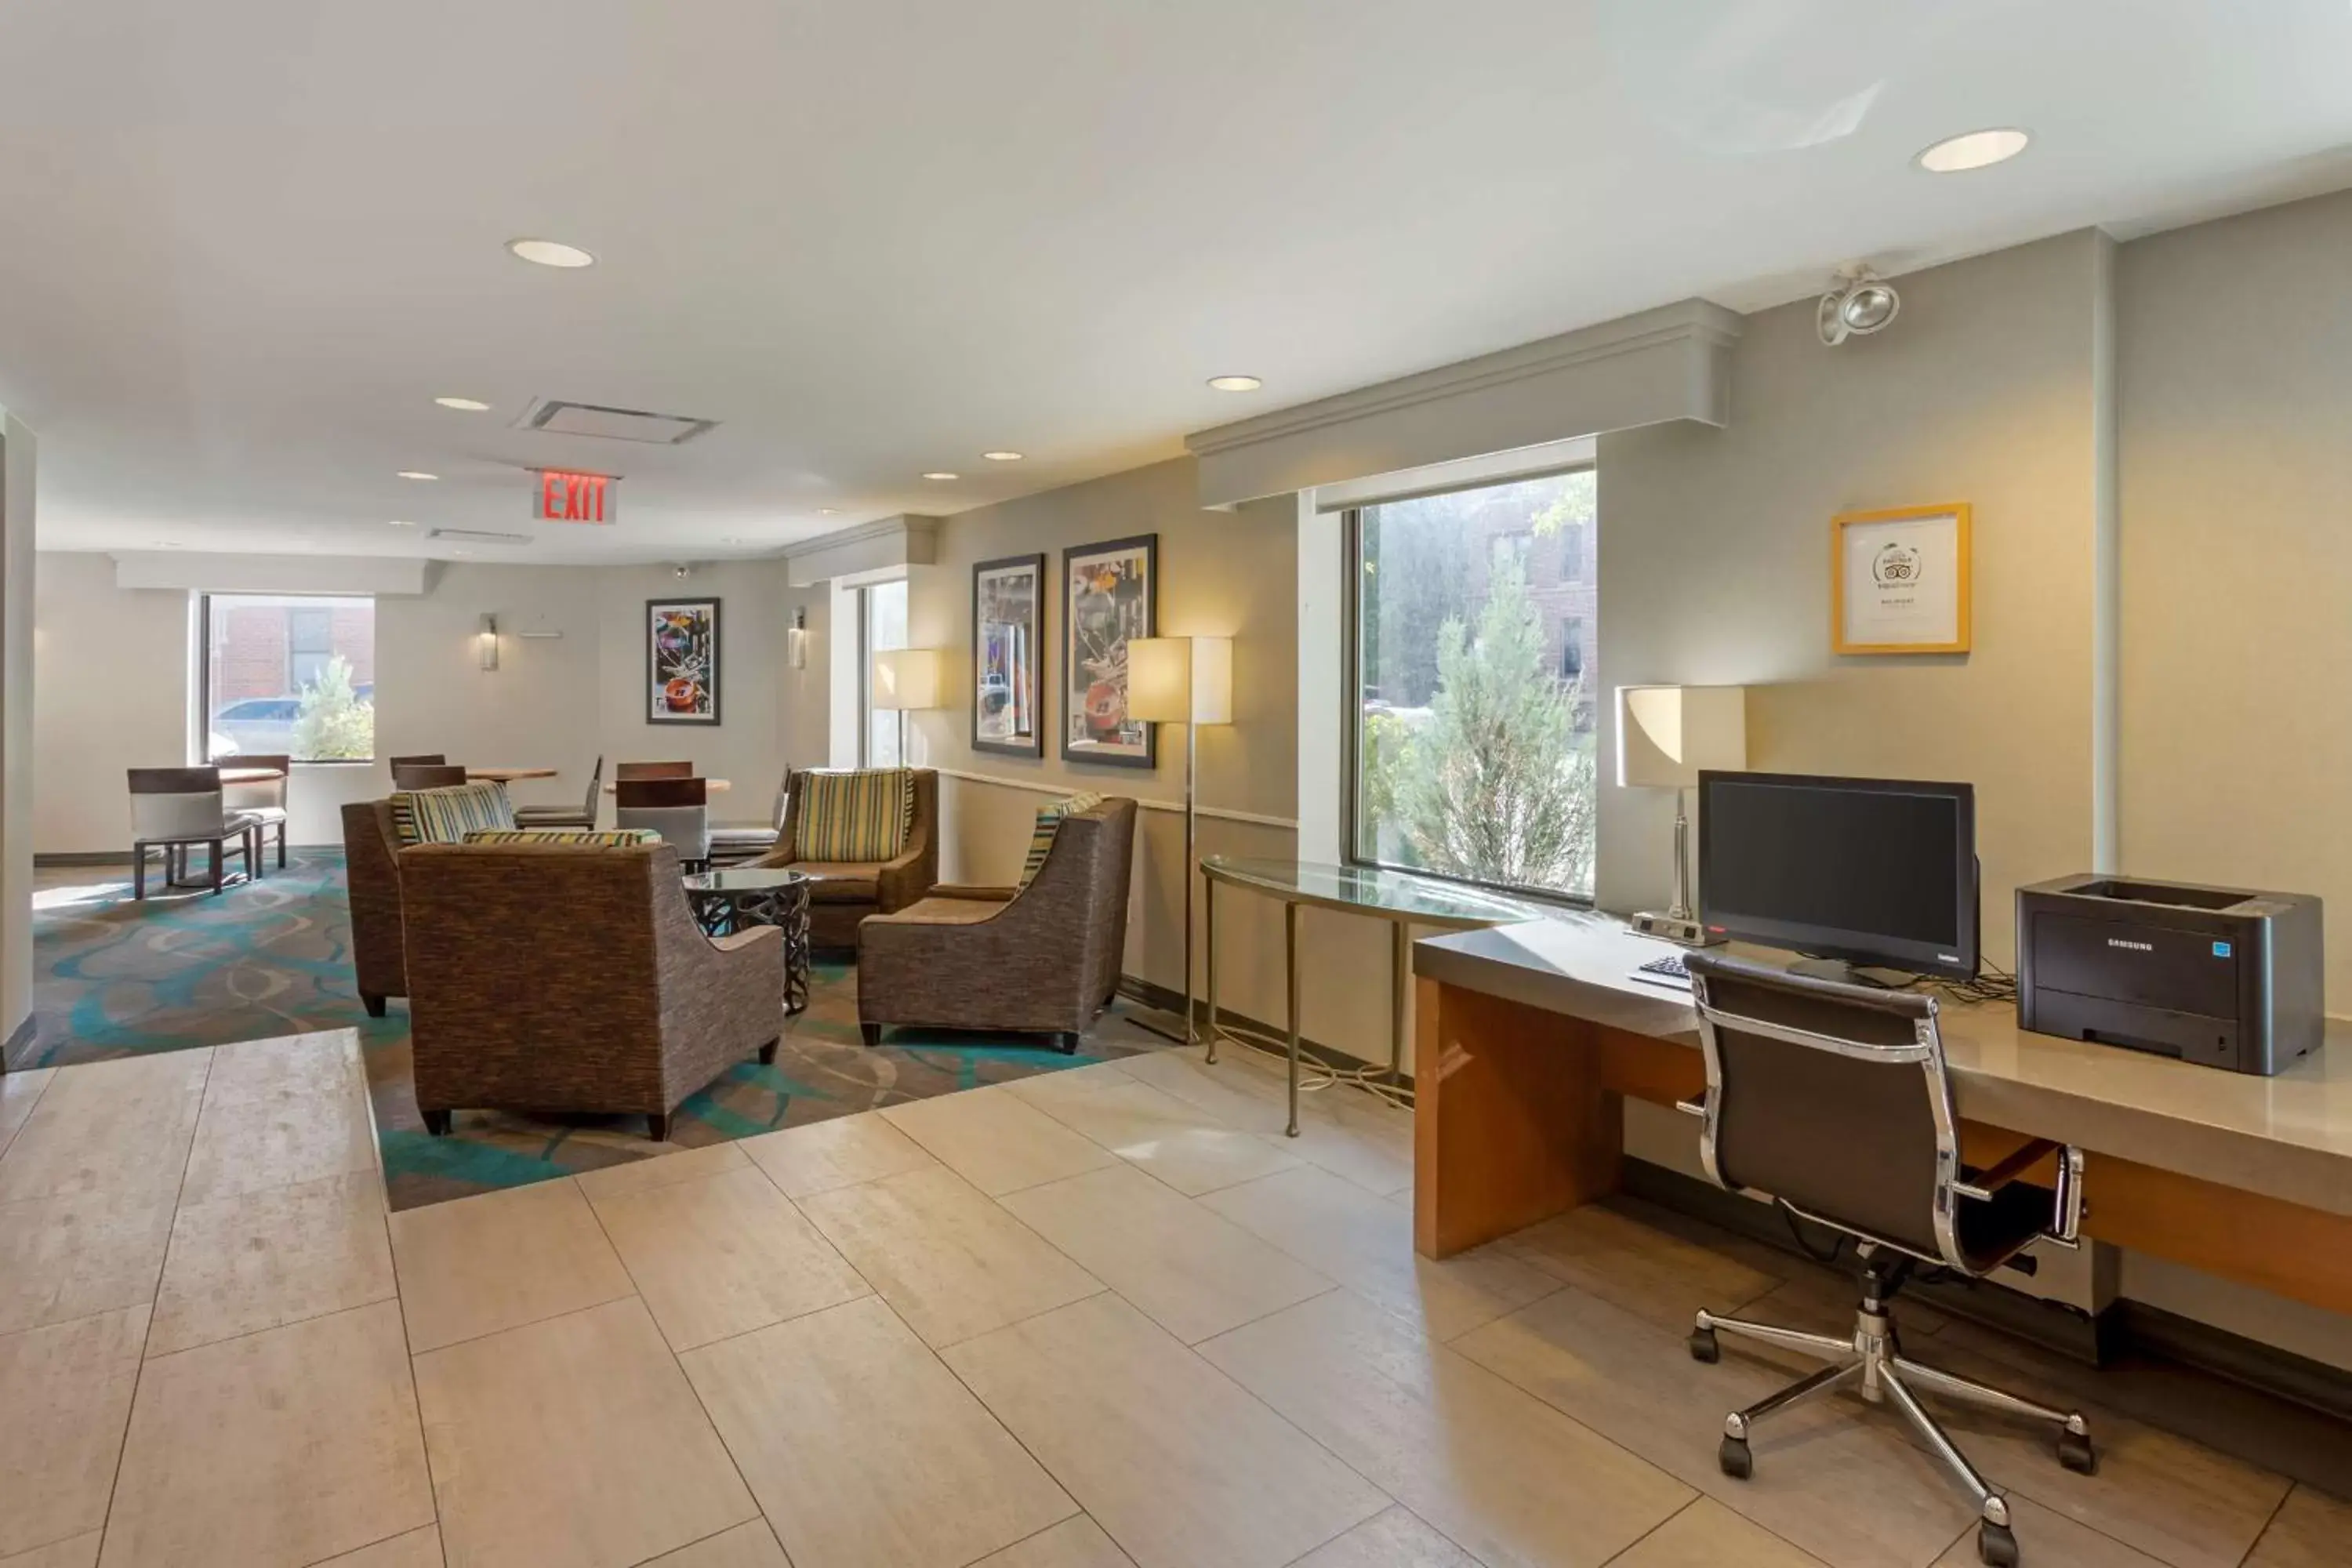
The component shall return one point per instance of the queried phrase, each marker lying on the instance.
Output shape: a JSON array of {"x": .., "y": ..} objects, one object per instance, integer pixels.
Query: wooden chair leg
[
  {"x": 220, "y": 853},
  {"x": 373, "y": 1002},
  {"x": 139, "y": 872},
  {"x": 767, "y": 1052},
  {"x": 658, "y": 1127},
  {"x": 281, "y": 844},
  {"x": 437, "y": 1122}
]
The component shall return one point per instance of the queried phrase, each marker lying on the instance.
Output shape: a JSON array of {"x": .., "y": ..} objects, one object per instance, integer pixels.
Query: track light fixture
[{"x": 1860, "y": 304}]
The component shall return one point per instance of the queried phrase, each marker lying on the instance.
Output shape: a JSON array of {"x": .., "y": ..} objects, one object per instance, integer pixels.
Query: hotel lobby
[{"x": 1224, "y": 787}]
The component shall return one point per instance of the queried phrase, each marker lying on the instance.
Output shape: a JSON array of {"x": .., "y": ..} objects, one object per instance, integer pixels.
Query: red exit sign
[{"x": 574, "y": 498}]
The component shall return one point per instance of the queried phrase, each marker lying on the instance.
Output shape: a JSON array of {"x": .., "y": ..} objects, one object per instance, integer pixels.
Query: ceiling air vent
[
  {"x": 558, "y": 418},
  {"x": 478, "y": 536}
]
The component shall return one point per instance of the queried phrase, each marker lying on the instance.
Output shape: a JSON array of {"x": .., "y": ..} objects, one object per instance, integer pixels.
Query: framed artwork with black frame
[
  {"x": 1109, "y": 595},
  {"x": 682, "y": 661},
  {"x": 1008, "y": 655}
]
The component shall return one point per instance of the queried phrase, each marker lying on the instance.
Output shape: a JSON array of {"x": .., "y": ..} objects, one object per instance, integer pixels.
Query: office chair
[{"x": 1834, "y": 1102}]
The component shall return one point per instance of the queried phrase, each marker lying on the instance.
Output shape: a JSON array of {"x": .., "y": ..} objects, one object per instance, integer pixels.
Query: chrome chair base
[{"x": 1873, "y": 1366}]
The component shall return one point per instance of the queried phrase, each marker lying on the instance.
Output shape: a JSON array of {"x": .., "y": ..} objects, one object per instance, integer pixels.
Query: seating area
[{"x": 1059, "y": 784}]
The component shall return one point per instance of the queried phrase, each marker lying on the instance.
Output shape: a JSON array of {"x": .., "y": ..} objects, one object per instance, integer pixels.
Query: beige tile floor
[{"x": 1104, "y": 1319}]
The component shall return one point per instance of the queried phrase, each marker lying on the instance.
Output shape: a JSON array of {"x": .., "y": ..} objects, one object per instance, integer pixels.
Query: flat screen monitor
[{"x": 1872, "y": 872}]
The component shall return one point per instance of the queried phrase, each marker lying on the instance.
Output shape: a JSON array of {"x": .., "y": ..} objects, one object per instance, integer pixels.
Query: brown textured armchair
[
  {"x": 574, "y": 978},
  {"x": 1043, "y": 958},
  {"x": 372, "y": 871},
  {"x": 846, "y": 892}
]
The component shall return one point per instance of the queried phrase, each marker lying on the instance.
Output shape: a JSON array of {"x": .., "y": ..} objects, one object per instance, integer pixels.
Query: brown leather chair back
[
  {"x": 418, "y": 759},
  {"x": 622, "y": 771},
  {"x": 426, "y": 775},
  {"x": 660, "y": 792},
  {"x": 1847, "y": 1124}
]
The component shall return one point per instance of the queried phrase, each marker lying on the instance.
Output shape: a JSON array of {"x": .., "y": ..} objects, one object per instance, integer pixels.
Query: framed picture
[
  {"x": 681, "y": 661},
  {"x": 1899, "y": 580},
  {"x": 1109, "y": 595},
  {"x": 1008, "y": 650}
]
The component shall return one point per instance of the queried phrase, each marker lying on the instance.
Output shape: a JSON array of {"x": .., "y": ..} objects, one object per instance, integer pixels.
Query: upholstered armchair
[
  {"x": 372, "y": 878},
  {"x": 571, "y": 977},
  {"x": 1042, "y": 959},
  {"x": 847, "y": 892}
]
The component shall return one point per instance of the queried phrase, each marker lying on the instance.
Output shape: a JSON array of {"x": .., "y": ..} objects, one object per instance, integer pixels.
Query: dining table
[
  {"x": 509, "y": 776},
  {"x": 249, "y": 774}
]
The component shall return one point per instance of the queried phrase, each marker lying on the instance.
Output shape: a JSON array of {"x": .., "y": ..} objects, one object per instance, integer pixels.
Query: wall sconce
[
  {"x": 796, "y": 640},
  {"x": 488, "y": 639}
]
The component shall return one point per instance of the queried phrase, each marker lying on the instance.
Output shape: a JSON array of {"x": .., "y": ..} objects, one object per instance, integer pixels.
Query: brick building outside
[{"x": 274, "y": 646}]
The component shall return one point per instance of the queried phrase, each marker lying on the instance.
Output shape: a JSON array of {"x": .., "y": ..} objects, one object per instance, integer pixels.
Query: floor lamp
[
  {"x": 905, "y": 678},
  {"x": 1187, "y": 681}
]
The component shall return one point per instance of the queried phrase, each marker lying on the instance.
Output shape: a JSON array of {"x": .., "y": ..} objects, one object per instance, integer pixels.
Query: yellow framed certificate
[{"x": 1899, "y": 580}]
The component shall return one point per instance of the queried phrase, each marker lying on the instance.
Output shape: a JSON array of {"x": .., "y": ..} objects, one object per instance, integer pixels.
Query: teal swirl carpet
[{"x": 113, "y": 977}]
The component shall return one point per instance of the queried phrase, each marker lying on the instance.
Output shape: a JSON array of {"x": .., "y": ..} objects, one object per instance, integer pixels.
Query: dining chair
[
  {"x": 652, "y": 771},
  {"x": 428, "y": 775},
  {"x": 264, "y": 800},
  {"x": 176, "y": 809},
  {"x": 678, "y": 809},
  {"x": 564, "y": 816}
]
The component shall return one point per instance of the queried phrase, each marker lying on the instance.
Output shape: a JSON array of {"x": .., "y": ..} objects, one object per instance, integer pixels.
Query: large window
[
  {"x": 881, "y": 626},
  {"x": 1474, "y": 627},
  {"x": 292, "y": 674}
]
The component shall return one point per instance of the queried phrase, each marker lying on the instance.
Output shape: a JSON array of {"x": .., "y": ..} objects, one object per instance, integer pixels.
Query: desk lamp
[
  {"x": 1665, "y": 734},
  {"x": 1187, "y": 681}
]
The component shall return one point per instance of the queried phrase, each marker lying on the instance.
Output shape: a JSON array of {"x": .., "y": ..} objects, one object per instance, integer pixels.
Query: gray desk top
[{"x": 2289, "y": 1136}]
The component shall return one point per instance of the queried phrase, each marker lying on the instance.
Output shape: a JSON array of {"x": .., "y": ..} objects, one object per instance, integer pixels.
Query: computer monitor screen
[{"x": 1872, "y": 871}]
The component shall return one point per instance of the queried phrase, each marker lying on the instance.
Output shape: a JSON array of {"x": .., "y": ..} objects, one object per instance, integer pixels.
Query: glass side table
[
  {"x": 1401, "y": 900},
  {"x": 725, "y": 901}
]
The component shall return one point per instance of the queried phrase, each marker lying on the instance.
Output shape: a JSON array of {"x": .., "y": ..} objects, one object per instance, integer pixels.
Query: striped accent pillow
[
  {"x": 446, "y": 815},
  {"x": 605, "y": 838},
  {"x": 860, "y": 816},
  {"x": 1049, "y": 822}
]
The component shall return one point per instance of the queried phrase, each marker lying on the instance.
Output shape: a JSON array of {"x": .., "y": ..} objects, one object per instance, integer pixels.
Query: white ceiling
[{"x": 244, "y": 244}]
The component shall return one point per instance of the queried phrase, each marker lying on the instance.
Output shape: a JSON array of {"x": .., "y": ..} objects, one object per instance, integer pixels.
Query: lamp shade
[
  {"x": 905, "y": 677},
  {"x": 1180, "y": 680},
  {"x": 1665, "y": 734}
]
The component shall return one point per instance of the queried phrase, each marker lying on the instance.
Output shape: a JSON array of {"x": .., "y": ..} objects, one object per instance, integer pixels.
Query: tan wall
[
  {"x": 2236, "y": 387},
  {"x": 113, "y": 679},
  {"x": 1221, "y": 573},
  {"x": 1715, "y": 554},
  {"x": 19, "y": 723}
]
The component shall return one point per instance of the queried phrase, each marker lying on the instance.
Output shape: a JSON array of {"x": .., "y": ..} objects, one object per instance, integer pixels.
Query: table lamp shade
[
  {"x": 907, "y": 678},
  {"x": 1665, "y": 734},
  {"x": 1180, "y": 680}
]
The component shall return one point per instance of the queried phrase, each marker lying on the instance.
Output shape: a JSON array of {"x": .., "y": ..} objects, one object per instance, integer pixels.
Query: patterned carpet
[{"x": 114, "y": 977}]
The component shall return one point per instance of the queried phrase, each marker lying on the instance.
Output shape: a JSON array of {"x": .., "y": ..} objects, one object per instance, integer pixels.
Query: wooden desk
[
  {"x": 509, "y": 776},
  {"x": 1530, "y": 1036}
]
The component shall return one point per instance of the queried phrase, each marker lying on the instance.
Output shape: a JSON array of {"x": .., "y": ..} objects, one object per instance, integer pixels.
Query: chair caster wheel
[
  {"x": 2077, "y": 1454},
  {"x": 1995, "y": 1545},
  {"x": 1703, "y": 1346},
  {"x": 1733, "y": 1457}
]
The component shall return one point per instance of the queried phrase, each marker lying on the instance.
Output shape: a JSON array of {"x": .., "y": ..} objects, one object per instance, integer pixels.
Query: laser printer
[{"x": 2227, "y": 977}]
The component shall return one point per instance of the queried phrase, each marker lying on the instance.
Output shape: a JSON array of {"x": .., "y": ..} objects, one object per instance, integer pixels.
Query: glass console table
[{"x": 1396, "y": 897}]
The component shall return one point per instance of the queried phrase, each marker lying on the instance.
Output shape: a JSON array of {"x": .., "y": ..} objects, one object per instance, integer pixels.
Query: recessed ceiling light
[
  {"x": 1235, "y": 383},
  {"x": 550, "y": 253},
  {"x": 941, "y": 474},
  {"x": 400, "y": 522},
  {"x": 825, "y": 511},
  {"x": 461, "y": 552},
  {"x": 464, "y": 405},
  {"x": 1977, "y": 149},
  {"x": 415, "y": 474},
  {"x": 1001, "y": 456}
]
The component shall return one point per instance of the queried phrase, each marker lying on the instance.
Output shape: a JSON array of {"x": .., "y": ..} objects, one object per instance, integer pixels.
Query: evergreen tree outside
[
  {"x": 1499, "y": 785},
  {"x": 334, "y": 723}
]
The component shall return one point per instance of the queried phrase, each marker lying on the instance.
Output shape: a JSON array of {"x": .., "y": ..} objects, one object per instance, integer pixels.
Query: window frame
[
  {"x": 204, "y": 692},
  {"x": 866, "y": 652},
  {"x": 1351, "y": 713}
]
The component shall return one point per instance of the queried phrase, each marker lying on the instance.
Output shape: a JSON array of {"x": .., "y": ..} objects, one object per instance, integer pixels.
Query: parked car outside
[{"x": 263, "y": 724}]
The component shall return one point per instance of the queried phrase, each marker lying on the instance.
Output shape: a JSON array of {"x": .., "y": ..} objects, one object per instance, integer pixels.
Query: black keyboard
[{"x": 1667, "y": 971}]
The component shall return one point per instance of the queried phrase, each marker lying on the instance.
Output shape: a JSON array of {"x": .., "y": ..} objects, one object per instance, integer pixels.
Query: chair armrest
[
  {"x": 749, "y": 936},
  {"x": 975, "y": 894},
  {"x": 2066, "y": 1203},
  {"x": 1696, "y": 1106}
]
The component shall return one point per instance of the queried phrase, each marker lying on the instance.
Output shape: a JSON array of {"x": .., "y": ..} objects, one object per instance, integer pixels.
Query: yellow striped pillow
[
  {"x": 1049, "y": 822},
  {"x": 860, "y": 816},
  {"x": 446, "y": 815}
]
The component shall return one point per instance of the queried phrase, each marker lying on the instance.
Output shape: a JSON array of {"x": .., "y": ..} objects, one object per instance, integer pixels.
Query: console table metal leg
[
  {"x": 1290, "y": 963},
  {"x": 1209, "y": 938},
  {"x": 1400, "y": 965}
]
